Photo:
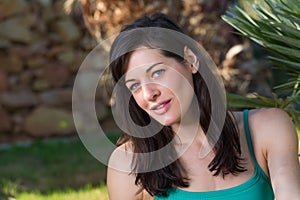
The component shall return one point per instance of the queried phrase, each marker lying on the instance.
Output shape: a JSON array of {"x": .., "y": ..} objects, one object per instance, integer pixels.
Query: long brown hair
[{"x": 227, "y": 149}]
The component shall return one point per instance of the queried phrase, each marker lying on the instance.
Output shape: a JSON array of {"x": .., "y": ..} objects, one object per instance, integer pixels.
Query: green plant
[
  {"x": 89, "y": 192},
  {"x": 49, "y": 165},
  {"x": 275, "y": 25},
  {"x": 8, "y": 190}
]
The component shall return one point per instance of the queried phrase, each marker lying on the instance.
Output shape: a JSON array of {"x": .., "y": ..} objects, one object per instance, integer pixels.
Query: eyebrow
[{"x": 147, "y": 70}]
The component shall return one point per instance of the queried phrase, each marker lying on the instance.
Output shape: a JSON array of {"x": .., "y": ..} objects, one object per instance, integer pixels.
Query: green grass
[
  {"x": 88, "y": 193},
  {"x": 50, "y": 166},
  {"x": 46, "y": 169}
]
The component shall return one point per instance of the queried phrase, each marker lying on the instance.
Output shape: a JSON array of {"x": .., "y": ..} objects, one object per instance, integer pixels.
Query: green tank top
[{"x": 258, "y": 187}]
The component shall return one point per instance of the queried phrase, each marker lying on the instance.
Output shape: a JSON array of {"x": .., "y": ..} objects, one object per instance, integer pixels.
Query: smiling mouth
[{"x": 162, "y": 107}]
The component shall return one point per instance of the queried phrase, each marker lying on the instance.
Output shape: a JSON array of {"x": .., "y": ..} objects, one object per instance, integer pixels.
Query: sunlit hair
[{"x": 227, "y": 150}]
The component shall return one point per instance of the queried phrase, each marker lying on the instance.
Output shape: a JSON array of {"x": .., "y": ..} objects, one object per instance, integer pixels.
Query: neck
[{"x": 190, "y": 135}]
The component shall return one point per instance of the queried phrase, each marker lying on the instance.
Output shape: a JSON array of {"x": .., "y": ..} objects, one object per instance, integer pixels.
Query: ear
[{"x": 192, "y": 59}]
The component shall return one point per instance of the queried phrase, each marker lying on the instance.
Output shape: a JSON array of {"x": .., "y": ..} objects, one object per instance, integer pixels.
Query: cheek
[
  {"x": 139, "y": 100},
  {"x": 181, "y": 86},
  {"x": 183, "y": 90}
]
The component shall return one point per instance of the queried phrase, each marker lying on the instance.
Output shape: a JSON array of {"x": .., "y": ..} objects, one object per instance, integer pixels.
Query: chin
[
  {"x": 168, "y": 119},
  {"x": 167, "y": 122}
]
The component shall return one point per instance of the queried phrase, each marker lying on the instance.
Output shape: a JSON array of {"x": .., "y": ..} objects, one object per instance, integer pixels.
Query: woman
[{"x": 164, "y": 101}]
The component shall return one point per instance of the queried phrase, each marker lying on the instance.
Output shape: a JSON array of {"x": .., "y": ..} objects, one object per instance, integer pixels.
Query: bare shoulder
[
  {"x": 268, "y": 113},
  {"x": 120, "y": 180},
  {"x": 272, "y": 128},
  {"x": 263, "y": 118},
  {"x": 275, "y": 134},
  {"x": 121, "y": 158},
  {"x": 271, "y": 121}
]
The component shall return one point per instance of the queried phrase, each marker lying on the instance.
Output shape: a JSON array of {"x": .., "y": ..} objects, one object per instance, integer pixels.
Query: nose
[{"x": 150, "y": 92}]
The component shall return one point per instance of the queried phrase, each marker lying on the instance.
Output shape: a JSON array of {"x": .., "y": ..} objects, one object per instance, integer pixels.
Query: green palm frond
[
  {"x": 238, "y": 101},
  {"x": 275, "y": 25},
  {"x": 272, "y": 24}
]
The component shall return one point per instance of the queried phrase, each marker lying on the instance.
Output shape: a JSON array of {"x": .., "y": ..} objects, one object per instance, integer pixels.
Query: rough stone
[
  {"x": 36, "y": 62},
  {"x": 3, "y": 81},
  {"x": 26, "y": 77},
  {"x": 4, "y": 43},
  {"x": 45, "y": 3},
  {"x": 46, "y": 121},
  {"x": 48, "y": 14},
  {"x": 56, "y": 50},
  {"x": 21, "y": 51},
  {"x": 40, "y": 85},
  {"x": 5, "y": 121},
  {"x": 13, "y": 82},
  {"x": 12, "y": 7},
  {"x": 67, "y": 57},
  {"x": 79, "y": 58},
  {"x": 16, "y": 29},
  {"x": 87, "y": 43},
  {"x": 18, "y": 118},
  {"x": 10, "y": 63},
  {"x": 67, "y": 29},
  {"x": 56, "y": 97},
  {"x": 18, "y": 99},
  {"x": 56, "y": 74},
  {"x": 39, "y": 47}
]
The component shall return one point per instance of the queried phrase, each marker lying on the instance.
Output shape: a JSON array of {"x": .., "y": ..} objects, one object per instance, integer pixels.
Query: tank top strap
[{"x": 248, "y": 136}]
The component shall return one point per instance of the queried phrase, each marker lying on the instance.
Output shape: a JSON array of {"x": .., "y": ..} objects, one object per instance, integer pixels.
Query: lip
[{"x": 161, "y": 107}]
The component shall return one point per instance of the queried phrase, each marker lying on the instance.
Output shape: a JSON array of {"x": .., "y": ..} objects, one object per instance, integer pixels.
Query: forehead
[{"x": 144, "y": 57}]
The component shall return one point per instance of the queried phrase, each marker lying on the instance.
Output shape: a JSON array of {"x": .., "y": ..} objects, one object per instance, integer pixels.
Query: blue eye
[
  {"x": 133, "y": 86},
  {"x": 158, "y": 73}
]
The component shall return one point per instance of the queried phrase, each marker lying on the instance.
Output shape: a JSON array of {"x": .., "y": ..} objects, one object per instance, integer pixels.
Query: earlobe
[{"x": 192, "y": 59}]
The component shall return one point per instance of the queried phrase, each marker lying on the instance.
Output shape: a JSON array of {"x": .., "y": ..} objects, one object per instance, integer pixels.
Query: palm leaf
[
  {"x": 284, "y": 51},
  {"x": 276, "y": 26},
  {"x": 285, "y": 40},
  {"x": 288, "y": 30},
  {"x": 289, "y": 65},
  {"x": 238, "y": 101}
]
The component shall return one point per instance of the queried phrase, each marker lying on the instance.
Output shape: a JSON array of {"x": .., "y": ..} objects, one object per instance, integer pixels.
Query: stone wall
[{"x": 41, "y": 49}]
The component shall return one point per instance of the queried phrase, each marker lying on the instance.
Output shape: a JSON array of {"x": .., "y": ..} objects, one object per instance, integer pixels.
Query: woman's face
[{"x": 160, "y": 85}]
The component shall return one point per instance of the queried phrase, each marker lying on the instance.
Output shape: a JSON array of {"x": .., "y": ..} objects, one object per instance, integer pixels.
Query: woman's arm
[
  {"x": 120, "y": 184},
  {"x": 280, "y": 148}
]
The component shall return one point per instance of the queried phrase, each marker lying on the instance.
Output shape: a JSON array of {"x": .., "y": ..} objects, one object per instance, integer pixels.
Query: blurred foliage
[
  {"x": 89, "y": 192},
  {"x": 46, "y": 166},
  {"x": 8, "y": 190},
  {"x": 275, "y": 25},
  {"x": 49, "y": 168}
]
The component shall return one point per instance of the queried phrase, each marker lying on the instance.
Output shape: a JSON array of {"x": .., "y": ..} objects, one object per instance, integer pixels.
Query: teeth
[{"x": 159, "y": 107}]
